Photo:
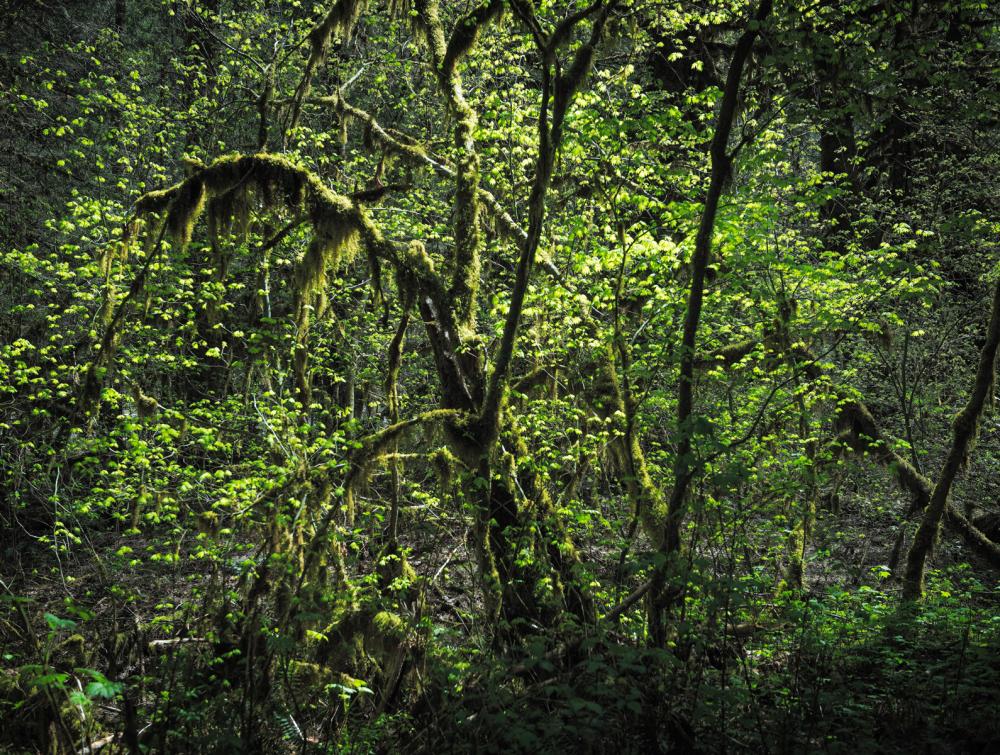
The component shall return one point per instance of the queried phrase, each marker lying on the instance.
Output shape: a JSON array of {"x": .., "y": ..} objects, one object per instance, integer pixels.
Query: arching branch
[{"x": 965, "y": 429}]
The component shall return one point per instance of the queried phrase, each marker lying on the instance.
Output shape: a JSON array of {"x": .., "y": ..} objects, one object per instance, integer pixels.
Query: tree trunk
[
  {"x": 965, "y": 428},
  {"x": 684, "y": 467}
]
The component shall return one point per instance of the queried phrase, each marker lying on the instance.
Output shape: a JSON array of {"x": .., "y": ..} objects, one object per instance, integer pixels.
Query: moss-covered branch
[
  {"x": 965, "y": 429},
  {"x": 726, "y": 356},
  {"x": 374, "y": 446},
  {"x": 339, "y": 20},
  {"x": 417, "y": 154},
  {"x": 446, "y": 56},
  {"x": 861, "y": 433},
  {"x": 339, "y": 226}
]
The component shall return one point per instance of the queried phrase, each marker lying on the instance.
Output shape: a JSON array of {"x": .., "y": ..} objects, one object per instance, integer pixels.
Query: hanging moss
[
  {"x": 418, "y": 268},
  {"x": 229, "y": 186},
  {"x": 225, "y": 188},
  {"x": 392, "y": 386},
  {"x": 185, "y": 210},
  {"x": 373, "y": 448},
  {"x": 321, "y": 256},
  {"x": 400, "y": 9},
  {"x": 445, "y": 462},
  {"x": 228, "y": 214},
  {"x": 341, "y": 19},
  {"x": 118, "y": 252},
  {"x": 155, "y": 201}
]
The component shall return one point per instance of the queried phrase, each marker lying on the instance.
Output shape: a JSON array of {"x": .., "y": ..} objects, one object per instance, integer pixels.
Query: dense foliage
[{"x": 521, "y": 376}]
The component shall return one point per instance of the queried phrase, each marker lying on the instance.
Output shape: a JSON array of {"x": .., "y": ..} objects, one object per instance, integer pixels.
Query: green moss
[
  {"x": 73, "y": 650},
  {"x": 155, "y": 201},
  {"x": 227, "y": 188},
  {"x": 729, "y": 355},
  {"x": 419, "y": 259},
  {"x": 185, "y": 209},
  {"x": 444, "y": 462},
  {"x": 341, "y": 19},
  {"x": 389, "y": 625}
]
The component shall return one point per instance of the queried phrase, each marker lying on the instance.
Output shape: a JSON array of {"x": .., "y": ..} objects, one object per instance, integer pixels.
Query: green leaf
[{"x": 55, "y": 622}]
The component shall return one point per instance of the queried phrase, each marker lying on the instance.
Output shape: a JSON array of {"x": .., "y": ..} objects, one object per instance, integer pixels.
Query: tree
[{"x": 400, "y": 375}]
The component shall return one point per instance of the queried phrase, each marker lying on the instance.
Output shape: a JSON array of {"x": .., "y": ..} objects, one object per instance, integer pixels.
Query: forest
[{"x": 499, "y": 376}]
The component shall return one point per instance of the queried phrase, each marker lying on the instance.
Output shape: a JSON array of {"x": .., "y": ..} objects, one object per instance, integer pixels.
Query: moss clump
[
  {"x": 445, "y": 462},
  {"x": 185, "y": 210},
  {"x": 389, "y": 625},
  {"x": 420, "y": 260},
  {"x": 728, "y": 355},
  {"x": 341, "y": 19}
]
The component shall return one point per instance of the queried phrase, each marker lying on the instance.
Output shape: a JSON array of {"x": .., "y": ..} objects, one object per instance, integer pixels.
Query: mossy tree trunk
[{"x": 473, "y": 401}]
